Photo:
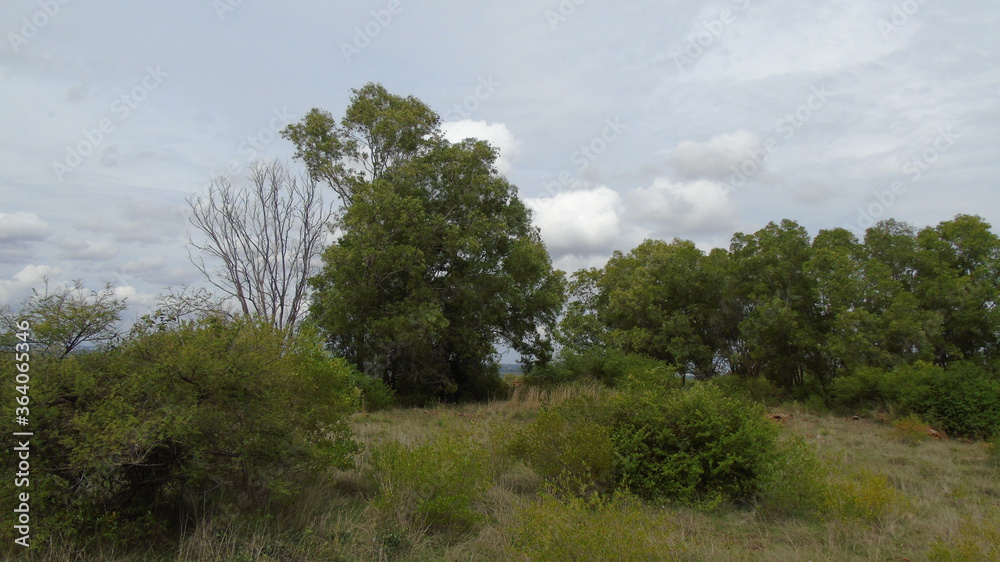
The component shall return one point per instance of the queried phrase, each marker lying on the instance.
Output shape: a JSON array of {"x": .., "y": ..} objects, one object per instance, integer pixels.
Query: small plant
[
  {"x": 572, "y": 455},
  {"x": 862, "y": 496},
  {"x": 796, "y": 482},
  {"x": 911, "y": 430},
  {"x": 434, "y": 485}
]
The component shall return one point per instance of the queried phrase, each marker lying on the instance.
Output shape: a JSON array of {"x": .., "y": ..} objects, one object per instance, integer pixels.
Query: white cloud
[
  {"x": 581, "y": 222},
  {"x": 681, "y": 208},
  {"x": 22, "y": 227},
  {"x": 88, "y": 251},
  {"x": 496, "y": 134},
  {"x": 16, "y": 289},
  {"x": 717, "y": 157}
]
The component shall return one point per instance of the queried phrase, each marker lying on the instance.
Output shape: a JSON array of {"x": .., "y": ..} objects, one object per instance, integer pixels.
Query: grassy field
[{"x": 437, "y": 484}]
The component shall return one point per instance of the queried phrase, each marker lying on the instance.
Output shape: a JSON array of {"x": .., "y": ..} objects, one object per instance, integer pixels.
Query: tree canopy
[
  {"x": 436, "y": 262},
  {"x": 780, "y": 305}
]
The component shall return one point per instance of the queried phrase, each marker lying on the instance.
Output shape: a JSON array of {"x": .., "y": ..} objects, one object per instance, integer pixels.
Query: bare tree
[{"x": 263, "y": 239}]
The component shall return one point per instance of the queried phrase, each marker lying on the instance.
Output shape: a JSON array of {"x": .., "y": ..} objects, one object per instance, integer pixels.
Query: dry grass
[{"x": 915, "y": 499}]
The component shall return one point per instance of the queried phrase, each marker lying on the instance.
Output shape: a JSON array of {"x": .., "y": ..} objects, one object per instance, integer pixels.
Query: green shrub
[
  {"x": 693, "y": 446},
  {"x": 867, "y": 388},
  {"x": 433, "y": 485},
  {"x": 375, "y": 394},
  {"x": 757, "y": 389},
  {"x": 963, "y": 400},
  {"x": 609, "y": 366},
  {"x": 206, "y": 417},
  {"x": 861, "y": 495},
  {"x": 572, "y": 454},
  {"x": 796, "y": 482}
]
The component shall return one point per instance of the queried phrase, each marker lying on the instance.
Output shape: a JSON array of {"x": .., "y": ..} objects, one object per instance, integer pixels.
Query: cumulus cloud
[
  {"x": 17, "y": 288},
  {"x": 87, "y": 250},
  {"x": 496, "y": 134},
  {"x": 22, "y": 227},
  {"x": 580, "y": 222},
  {"x": 717, "y": 157},
  {"x": 681, "y": 208}
]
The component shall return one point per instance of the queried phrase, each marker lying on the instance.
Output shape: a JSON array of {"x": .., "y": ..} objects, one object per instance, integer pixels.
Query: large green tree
[{"x": 436, "y": 262}]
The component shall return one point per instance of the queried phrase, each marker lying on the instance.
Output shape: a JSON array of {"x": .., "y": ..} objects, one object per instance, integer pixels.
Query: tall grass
[{"x": 883, "y": 496}]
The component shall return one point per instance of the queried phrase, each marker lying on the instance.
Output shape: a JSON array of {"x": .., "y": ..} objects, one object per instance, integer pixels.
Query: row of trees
[
  {"x": 434, "y": 264},
  {"x": 780, "y": 305}
]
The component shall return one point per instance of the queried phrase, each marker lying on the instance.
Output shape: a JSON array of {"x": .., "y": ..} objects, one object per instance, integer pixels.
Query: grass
[{"x": 893, "y": 496}]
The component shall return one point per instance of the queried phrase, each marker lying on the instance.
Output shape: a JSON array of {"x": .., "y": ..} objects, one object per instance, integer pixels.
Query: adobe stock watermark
[
  {"x": 914, "y": 168},
  {"x": 902, "y": 13},
  {"x": 586, "y": 155},
  {"x": 252, "y": 145},
  {"x": 562, "y": 13},
  {"x": 705, "y": 35},
  {"x": 224, "y": 7},
  {"x": 787, "y": 127},
  {"x": 483, "y": 91},
  {"x": 363, "y": 35},
  {"x": 122, "y": 107},
  {"x": 33, "y": 24}
]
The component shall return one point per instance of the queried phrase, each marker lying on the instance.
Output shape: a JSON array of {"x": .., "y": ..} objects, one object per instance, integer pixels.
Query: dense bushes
[
  {"x": 205, "y": 417},
  {"x": 962, "y": 400},
  {"x": 694, "y": 445}
]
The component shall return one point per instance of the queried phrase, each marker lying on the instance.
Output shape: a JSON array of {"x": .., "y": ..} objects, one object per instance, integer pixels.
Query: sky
[{"x": 617, "y": 121}]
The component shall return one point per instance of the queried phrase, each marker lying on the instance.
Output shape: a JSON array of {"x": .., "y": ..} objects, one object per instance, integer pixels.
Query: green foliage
[
  {"x": 570, "y": 452},
  {"x": 434, "y": 485},
  {"x": 695, "y": 446},
  {"x": 609, "y": 366},
  {"x": 375, "y": 394},
  {"x": 206, "y": 417},
  {"x": 63, "y": 319},
  {"x": 756, "y": 389},
  {"x": 962, "y": 400},
  {"x": 910, "y": 429},
  {"x": 594, "y": 528},
  {"x": 660, "y": 300},
  {"x": 795, "y": 482},
  {"x": 437, "y": 261},
  {"x": 861, "y": 496},
  {"x": 792, "y": 310}
]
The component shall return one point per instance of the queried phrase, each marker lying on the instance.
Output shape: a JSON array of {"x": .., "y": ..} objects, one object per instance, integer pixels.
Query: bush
[
  {"x": 434, "y": 485},
  {"x": 571, "y": 454},
  {"x": 692, "y": 446},
  {"x": 609, "y": 366},
  {"x": 375, "y": 394},
  {"x": 910, "y": 429},
  {"x": 209, "y": 416},
  {"x": 963, "y": 400},
  {"x": 796, "y": 482},
  {"x": 757, "y": 389},
  {"x": 863, "y": 496}
]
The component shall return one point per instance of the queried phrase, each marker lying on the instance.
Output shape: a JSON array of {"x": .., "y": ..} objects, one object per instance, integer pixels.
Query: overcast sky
[{"x": 618, "y": 121}]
